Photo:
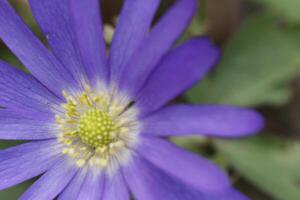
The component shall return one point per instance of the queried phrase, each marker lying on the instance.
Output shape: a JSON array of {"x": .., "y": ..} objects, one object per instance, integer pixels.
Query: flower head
[
  {"x": 96, "y": 122},
  {"x": 97, "y": 128}
]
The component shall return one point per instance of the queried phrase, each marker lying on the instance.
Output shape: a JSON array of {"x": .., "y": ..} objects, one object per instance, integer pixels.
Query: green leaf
[
  {"x": 256, "y": 67},
  {"x": 16, "y": 191},
  {"x": 8, "y": 57},
  {"x": 289, "y": 9},
  {"x": 6, "y": 144},
  {"x": 271, "y": 164}
]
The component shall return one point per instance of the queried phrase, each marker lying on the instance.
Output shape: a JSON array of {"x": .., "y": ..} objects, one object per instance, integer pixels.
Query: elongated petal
[
  {"x": 92, "y": 188},
  {"x": 233, "y": 195},
  {"x": 52, "y": 182},
  {"x": 190, "y": 168},
  {"x": 148, "y": 182},
  {"x": 178, "y": 71},
  {"x": 32, "y": 53},
  {"x": 116, "y": 188},
  {"x": 156, "y": 45},
  {"x": 23, "y": 125},
  {"x": 74, "y": 187},
  {"x": 54, "y": 18},
  {"x": 73, "y": 29},
  {"x": 88, "y": 28},
  {"x": 133, "y": 26},
  {"x": 20, "y": 90},
  {"x": 20, "y": 163},
  {"x": 211, "y": 120}
]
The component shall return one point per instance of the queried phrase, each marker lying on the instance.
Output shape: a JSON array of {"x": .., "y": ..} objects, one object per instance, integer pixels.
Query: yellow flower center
[{"x": 95, "y": 128}]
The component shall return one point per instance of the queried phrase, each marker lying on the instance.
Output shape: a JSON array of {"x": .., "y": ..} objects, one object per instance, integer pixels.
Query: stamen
[{"x": 95, "y": 128}]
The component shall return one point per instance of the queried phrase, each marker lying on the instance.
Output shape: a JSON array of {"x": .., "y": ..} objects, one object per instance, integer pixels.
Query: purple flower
[{"x": 97, "y": 123}]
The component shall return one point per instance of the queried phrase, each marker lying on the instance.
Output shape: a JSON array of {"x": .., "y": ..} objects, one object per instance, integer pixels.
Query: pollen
[{"x": 97, "y": 128}]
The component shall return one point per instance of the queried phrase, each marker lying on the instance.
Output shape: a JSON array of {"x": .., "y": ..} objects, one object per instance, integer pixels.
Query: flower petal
[
  {"x": 116, "y": 188},
  {"x": 179, "y": 70},
  {"x": 211, "y": 120},
  {"x": 148, "y": 182},
  {"x": 26, "y": 161},
  {"x": 134, "y": 24},
  {"x": 66, "y": 38},
  {"x": 156, "y": 45},
  {"x": 54, "y": 18},
  {"x": 20, "y": 90},
  {"x": 32, "y": 53},
  {"x": 74, "y": 187},
  {"x": 23, "y": 125},
  {"x": 233, "y": 195},
  {"x": 52, "y": 182},
  {"x": 92, "y": 188},
  {"x": 190, "y": 168},
  {"x": 88, "y": 28}
]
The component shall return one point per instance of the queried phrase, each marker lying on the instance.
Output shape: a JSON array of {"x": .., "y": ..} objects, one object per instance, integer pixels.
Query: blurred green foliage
[
  {"x": 256, "y": 67},
  {"x": 289, "y": 9},
  {"x": 270, "y": 163},
  {"x": 15, "y": 192}
]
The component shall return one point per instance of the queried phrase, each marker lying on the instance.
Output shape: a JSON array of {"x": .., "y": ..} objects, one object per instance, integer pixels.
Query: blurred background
[{"x": 260, "y": 68}]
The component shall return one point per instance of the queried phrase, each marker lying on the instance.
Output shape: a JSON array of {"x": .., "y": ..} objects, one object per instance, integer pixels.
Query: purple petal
[
  {"x": 26, "y": 161},
  {"x": 190, "y": 168},
  {"x": 148, "y": 182},
  {"x": 134, "y": 24},
  {"x": 69, "y": 33},
  {"x": 92, "y": 188},
  {"x": 233, "y": 195},
  {"x": 32, "y": 53},
  {"x": 52, "y": 182},
  {"x": 178, "y": 71},
  {"x": 211, "y": 120},
  {"x": 88, "y": 28},
  {"x": 156, "y": 45},
  {"x": 54, "y": 18},
  {"x": 23, "y": 125},
  {"x": 20, "y": 90},
  {"x": 116, "y": 188},
  {"x": 74, "y": 187}
]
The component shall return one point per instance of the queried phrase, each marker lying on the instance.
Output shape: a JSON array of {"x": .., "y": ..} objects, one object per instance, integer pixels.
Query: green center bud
[{"x": 95, "y": 128}]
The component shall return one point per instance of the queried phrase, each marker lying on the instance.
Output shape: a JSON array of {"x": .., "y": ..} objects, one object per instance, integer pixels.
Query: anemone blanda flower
[{"x": 96, "y": 123}]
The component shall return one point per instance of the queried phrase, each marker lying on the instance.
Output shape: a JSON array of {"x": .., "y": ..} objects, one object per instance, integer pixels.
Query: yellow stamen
[{"x": 91, "y": 127}]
